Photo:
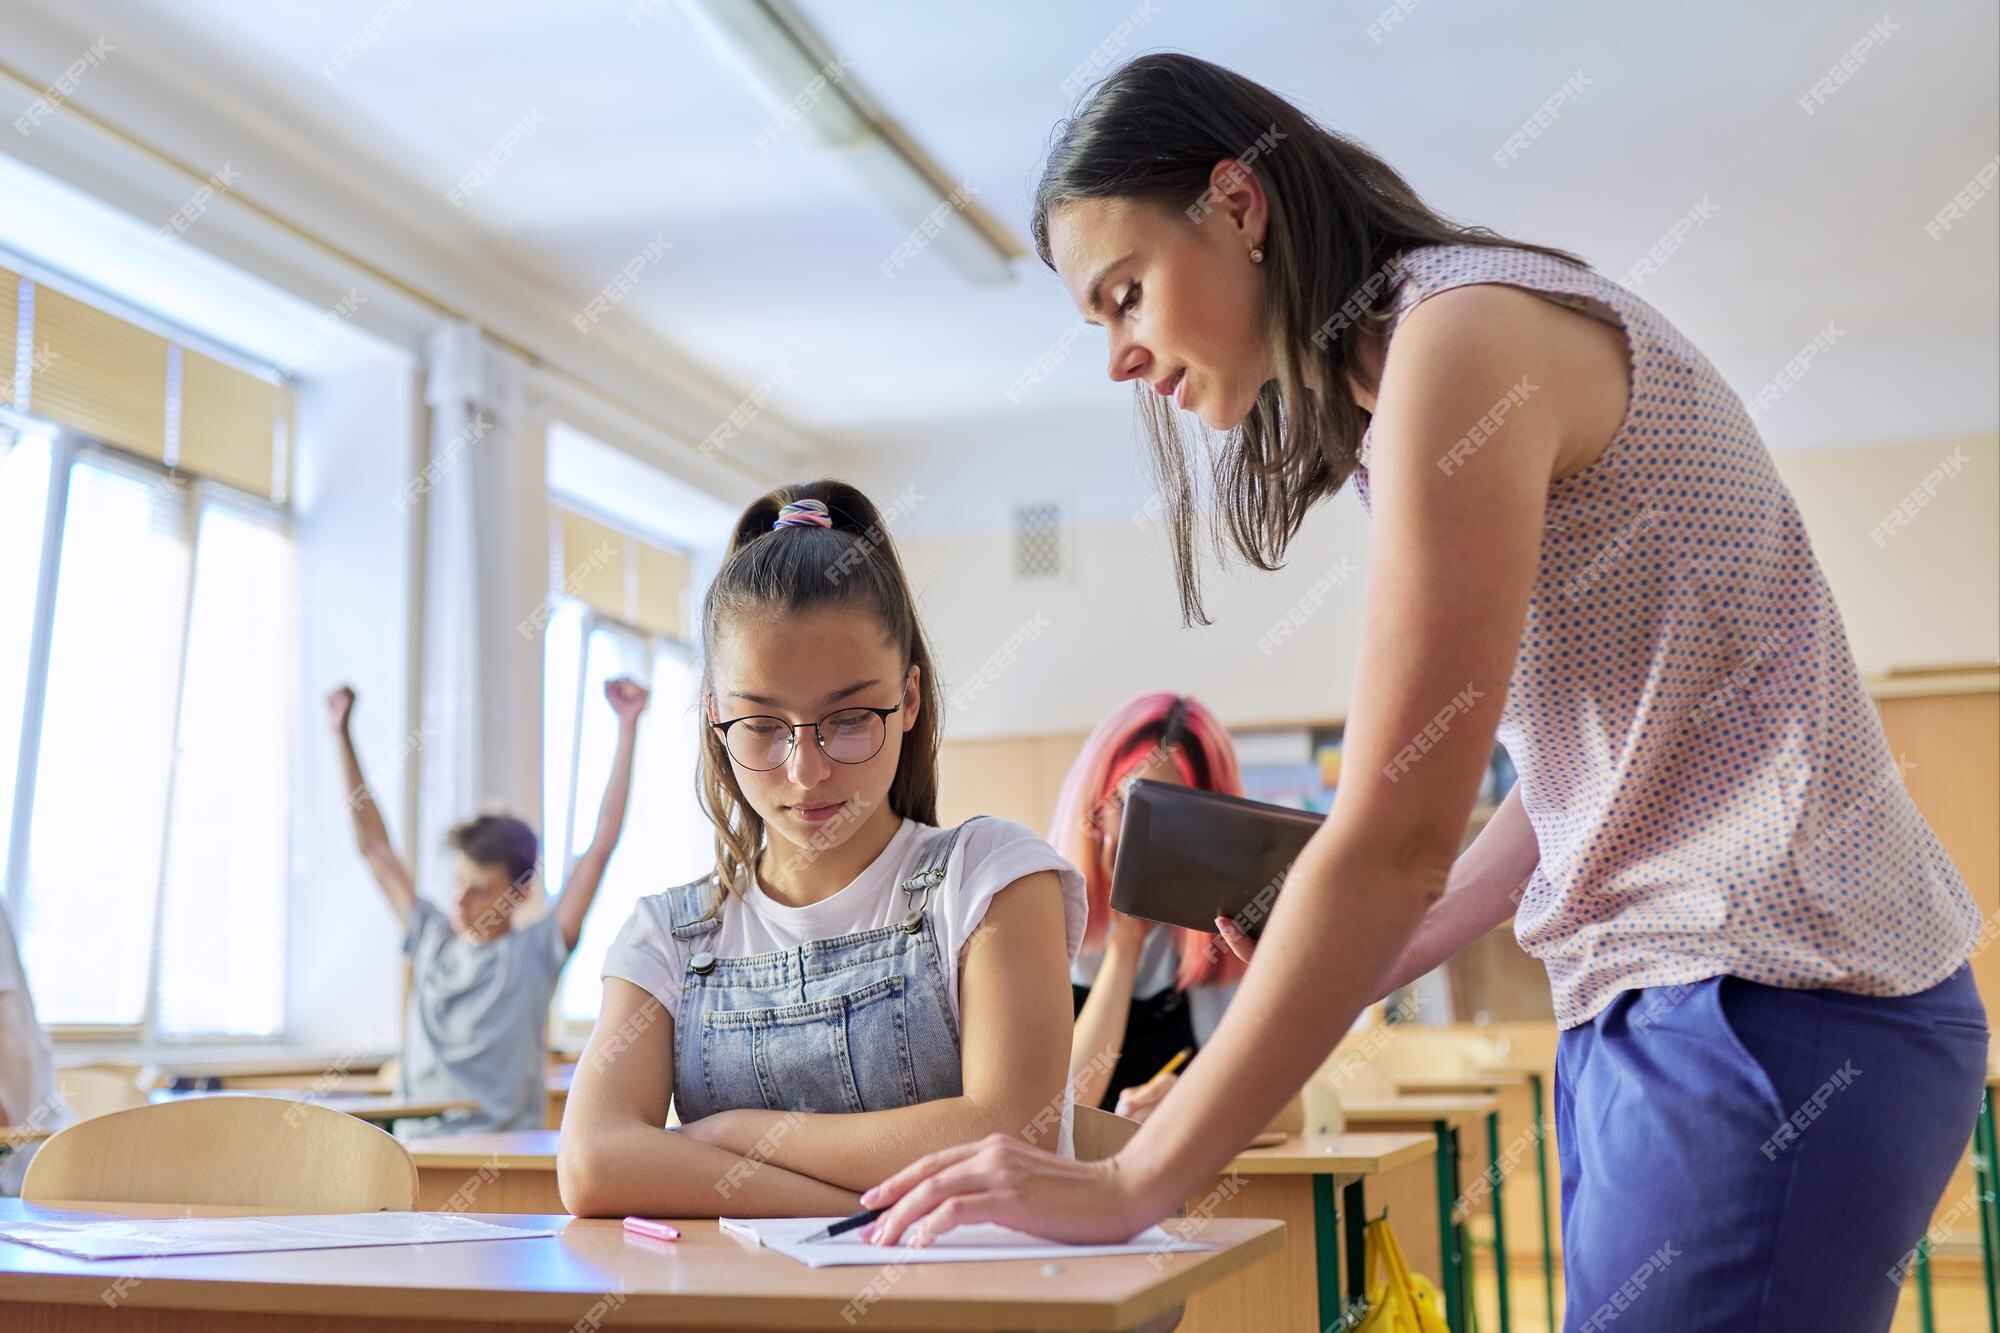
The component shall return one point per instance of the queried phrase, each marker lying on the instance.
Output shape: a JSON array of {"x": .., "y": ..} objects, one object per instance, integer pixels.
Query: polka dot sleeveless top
[{"x": 1707, "y": 778}]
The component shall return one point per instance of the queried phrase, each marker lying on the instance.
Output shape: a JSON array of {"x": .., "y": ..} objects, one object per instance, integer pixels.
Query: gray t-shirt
[{"x": 479, "y": 1018}]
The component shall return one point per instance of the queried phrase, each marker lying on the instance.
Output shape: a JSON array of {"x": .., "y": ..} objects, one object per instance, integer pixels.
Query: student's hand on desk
[
  {"x": 628, "y": 697},
  {"x": 339, "y": 707},
  {"x": 1001, "y": 1179},
  {"x": 1136, "y": 1103},
  {"x": 1232, "y": 935}
]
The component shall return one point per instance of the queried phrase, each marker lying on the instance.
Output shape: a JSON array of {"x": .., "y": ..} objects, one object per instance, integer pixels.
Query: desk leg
[
  {"x": 1450, "y": 1246},
  {"x": 1926, "y": 1319},
  {"x": 1499, "y": 1219},
  {"x": 1986, "y": 1180},
  {"x": 1355, "y": 1206},
  {"x": 1326, "y": 1244},
  {"x": 1542, "y": 1181}
]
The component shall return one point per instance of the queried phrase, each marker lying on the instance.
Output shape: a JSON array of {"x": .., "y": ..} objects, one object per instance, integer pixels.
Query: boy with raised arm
[{"x": 480, "y": 991}]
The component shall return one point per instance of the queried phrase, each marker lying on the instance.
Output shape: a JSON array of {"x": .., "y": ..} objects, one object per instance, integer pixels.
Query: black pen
[{"x": 845, "y": 1224}]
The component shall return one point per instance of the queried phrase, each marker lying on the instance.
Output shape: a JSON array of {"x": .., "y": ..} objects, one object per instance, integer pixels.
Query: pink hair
[{"x": 1153, "y": 726}]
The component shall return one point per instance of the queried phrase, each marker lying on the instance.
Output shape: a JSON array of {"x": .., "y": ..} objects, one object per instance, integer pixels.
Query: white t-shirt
[{"x": 991, "y": 854}]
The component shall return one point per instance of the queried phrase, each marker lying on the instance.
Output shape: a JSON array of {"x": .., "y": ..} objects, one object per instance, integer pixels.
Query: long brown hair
[
  {"x": 1340, "y": 221},
  {"x": 786, "y": 570}
]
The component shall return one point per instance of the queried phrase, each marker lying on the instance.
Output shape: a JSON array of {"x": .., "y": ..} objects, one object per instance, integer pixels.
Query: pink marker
[{"x": 645, "y": 1226}]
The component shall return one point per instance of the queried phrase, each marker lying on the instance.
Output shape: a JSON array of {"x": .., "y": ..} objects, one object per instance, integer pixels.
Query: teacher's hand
[
  {"x": 1001, "y": 1179},
  {"x": 1232, "y": 934}
]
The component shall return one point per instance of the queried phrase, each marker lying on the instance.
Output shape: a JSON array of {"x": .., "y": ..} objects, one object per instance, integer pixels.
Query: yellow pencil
[{"x": 1180, "y": 1058}]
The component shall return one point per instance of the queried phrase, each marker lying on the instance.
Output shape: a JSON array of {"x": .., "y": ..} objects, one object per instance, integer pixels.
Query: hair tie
[{"x": 804, "y": 514}]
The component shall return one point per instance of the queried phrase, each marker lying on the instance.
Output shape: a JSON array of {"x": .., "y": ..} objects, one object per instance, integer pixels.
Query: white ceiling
[{"x": 773, "y": 266}]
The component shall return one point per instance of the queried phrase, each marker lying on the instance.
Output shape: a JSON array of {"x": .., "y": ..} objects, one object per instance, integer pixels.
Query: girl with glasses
[{"x": 853, "y": 986}]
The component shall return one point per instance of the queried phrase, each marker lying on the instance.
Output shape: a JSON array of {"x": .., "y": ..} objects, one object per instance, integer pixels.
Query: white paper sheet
[
  {"x": 966, "y": 1244},
  {"x": 160, "y": 1237}
]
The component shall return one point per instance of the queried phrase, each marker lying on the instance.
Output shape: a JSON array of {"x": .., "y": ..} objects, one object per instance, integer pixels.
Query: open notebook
[
  {"x": 966, "y": 1244},
  {"x": 159, "y": 1237}
]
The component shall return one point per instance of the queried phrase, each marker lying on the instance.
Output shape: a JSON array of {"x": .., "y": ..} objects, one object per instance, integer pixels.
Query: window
[
  {"x": 147, "y": 678},
  {"x": 666, "y": 838},
  {"x": 147, "y": 750}
]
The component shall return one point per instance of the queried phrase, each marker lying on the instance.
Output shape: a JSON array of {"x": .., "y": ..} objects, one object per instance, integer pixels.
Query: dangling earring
[{"x": 1256, "y": 256}]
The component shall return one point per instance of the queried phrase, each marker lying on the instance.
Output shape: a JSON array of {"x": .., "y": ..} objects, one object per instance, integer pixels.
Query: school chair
[
  {"x": 255, "y": 1152},
  {"x": 1098, "y": 1134}
]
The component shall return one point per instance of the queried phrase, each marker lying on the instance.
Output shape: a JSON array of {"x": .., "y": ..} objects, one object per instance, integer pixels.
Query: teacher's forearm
[{"x": 1298, "y": 998}]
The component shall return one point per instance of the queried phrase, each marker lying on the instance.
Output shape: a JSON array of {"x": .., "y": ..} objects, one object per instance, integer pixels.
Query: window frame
[
  {"x": 68, "y": 448},
  {"x": 565, "y": 1031}
]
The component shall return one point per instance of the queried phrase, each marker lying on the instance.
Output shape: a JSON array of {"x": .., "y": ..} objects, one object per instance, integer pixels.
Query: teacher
[{"x": 1579, "y": 544}]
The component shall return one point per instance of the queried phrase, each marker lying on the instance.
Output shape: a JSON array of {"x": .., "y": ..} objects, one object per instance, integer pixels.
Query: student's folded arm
[
  {"x": 1015, "y": 1016},
  {"x": 616, "y": 1159}
]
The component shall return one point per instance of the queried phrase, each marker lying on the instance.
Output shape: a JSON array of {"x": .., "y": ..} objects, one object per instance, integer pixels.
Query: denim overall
[{"x": 859, "y": 1022}]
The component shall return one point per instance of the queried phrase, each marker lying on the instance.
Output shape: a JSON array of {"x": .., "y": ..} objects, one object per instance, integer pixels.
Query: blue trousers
[{"x": 1745, "y": 1158}]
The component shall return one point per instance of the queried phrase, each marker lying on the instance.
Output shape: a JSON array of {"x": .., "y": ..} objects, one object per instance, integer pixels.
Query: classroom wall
[
  {"x": 358, "y": 440},
  {"x": 1927, "y": 593},
  {"x": 1032, "y": 659}
]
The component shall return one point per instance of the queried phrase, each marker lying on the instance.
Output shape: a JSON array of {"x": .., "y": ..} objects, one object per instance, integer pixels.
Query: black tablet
[{"x": 1186, "y": 857}]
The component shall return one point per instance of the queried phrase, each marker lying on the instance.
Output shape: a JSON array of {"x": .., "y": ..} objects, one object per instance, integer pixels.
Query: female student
[
  {"x": 853, "y": 986},
  {"x": 1578, "y": 541},
  {"x": 1144, "y": 991}
]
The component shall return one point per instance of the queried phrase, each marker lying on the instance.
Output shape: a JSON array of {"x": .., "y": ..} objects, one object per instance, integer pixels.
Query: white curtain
[{"x": 486, "y": 574}]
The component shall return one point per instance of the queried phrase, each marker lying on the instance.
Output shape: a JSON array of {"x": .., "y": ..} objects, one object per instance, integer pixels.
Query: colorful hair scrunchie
[{"x": 804, "y": 514}]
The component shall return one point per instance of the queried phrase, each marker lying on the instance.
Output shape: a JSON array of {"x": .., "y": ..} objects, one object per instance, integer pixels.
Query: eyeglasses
[{"x": 849, "y": 736}]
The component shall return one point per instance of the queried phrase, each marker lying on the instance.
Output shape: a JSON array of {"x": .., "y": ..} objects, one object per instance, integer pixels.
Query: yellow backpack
[{"x": 1399, "y": 1301}]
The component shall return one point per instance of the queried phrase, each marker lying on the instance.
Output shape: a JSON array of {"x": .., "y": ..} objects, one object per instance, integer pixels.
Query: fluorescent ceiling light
[
  {"x": 787, "y": 75},
  {"x": 781, "y": 71}
]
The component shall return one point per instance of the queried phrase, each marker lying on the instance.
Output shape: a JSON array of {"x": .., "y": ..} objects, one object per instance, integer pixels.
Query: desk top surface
[
  {"x": 706, "y": 1279},
  {"x": 1490, "y": 1080},
  {"x": 367, "y": 1105},
  {"x": 1348, "y": 1155},
  {"x": 1358, "y": 1154},
  {"x": 505, "y": 1150},
  {"x": 1456, "y": 1108}
]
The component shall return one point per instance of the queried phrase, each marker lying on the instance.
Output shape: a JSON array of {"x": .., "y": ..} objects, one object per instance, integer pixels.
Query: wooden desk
[
  {"x": 375, "y": 1108},
  {"x": 1473, "y": 1085},
  {"x": 247, "y": 1068},
  {"x": 1986, "y": 1170},
  {"x": 510, "y": 1172},
  {"x": 1444, "y": 1115},
  {"x": 592, "y": 1272},
  {"x": 1314, "y": 1184},
  {"x": 1499, "y": 1080},
  {"x": 556, "y": 1083}
]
